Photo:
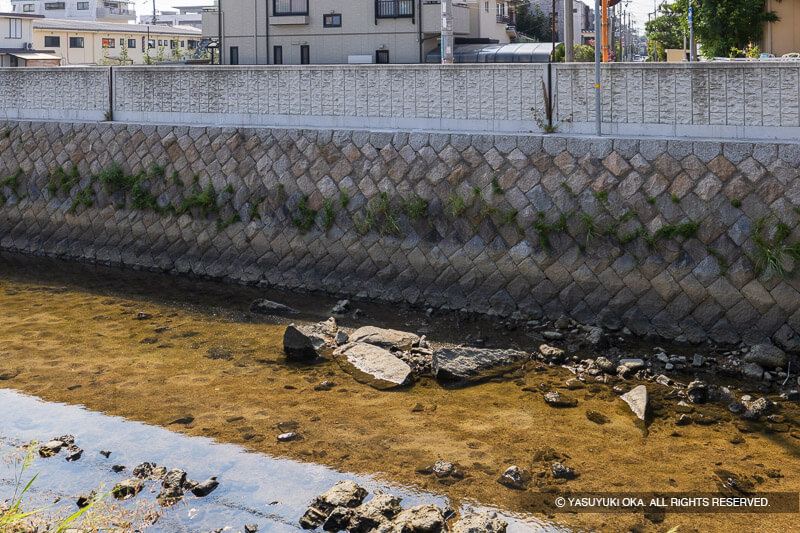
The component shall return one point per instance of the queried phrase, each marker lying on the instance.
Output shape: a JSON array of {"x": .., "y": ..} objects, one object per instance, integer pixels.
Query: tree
[
  {"x": 533, "y": 23},
  {"x": 722, "y": 25},
  {"x": 665, "y": 31}
]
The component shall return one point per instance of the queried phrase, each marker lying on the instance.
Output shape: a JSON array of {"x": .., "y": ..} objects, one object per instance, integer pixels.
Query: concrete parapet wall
[{"x": 659, "y": 236}]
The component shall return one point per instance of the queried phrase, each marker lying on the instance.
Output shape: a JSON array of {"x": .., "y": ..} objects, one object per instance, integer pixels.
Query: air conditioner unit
[{"x": 27, "y": 46}]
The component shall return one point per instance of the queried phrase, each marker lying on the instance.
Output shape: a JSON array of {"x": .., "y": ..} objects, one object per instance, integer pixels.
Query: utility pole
[
  {"x": 447, "y": 32},
  {"x": 691, "y": 33},
  {"x": 569, "y": 31},
  {"x": 603, "y": 28}
]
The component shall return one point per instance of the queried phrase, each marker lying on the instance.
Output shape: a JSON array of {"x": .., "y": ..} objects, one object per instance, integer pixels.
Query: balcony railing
[
  {"x": 503, "y": 19},
  {"x": 385, "y": 9}
]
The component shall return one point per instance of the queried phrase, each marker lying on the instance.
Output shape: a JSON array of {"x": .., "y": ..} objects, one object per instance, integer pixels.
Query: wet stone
[
  {"x": 637, "y": 400},
  {"x": 560, "y": 471},
  {"x": 697, "y": 392},
  {"x": 473, "y": 364},
  {"x": 597, "y": 418},
  {"x": 128, "y": 488},
  {"x": 556, "y": 399},
  {"x": 515, "y": 478},
  {"x": 206, "y": 487},
  {"x": 480, "y": 522},
  {"x": 287, "y": 437},
  {"x": 268, "y": 307},
  {"x": 143, "y": 470},
  {"x": 684, "y": 420}
]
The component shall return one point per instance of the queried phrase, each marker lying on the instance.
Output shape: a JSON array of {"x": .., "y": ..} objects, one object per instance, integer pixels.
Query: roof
[
  {"x": 27, "y": 56},
  {"x": 21, "y": 15},
  {"x": 496, "y": 53},
  {"x": 113, "y": 27}
]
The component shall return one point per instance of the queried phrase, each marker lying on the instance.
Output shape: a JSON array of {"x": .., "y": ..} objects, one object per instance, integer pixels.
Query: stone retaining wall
[{"x": 654, "y": 235}]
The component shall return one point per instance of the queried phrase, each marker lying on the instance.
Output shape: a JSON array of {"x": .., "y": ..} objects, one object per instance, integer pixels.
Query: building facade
[
  {"x": 782, "y": 37},
  {"x": 582, "y": 18},
  {"x": 179, "y": 16},
  {"x": 334, "y": 32},
  {"x": 99, "y": 43},
  {"x": 17, "y": 43},
  {"x": 94, "y": 10}
]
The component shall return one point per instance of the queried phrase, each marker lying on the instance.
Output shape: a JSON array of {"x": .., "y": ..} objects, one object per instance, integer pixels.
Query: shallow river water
[{"x": 212, "y": 376}]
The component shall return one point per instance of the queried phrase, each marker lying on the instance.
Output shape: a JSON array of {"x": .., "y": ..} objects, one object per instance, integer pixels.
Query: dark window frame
[
  {"x": 233, "y": 54},
  {"x": 28, "y": 8},
  {"x": 55, "y": 5},
  {"x": 329, "y": 20},
  {"x": 305, "y": 54},
  {"x": 82, "y": 6},
  {"x": 131, "y": 44},
  {"x": 391, "y": 9},
  {"x": 379, "y": 54},
  {"x": 291, "y": 12},
  {"x": 277, "y": 55},
  {"x": 108, "y": 42},
  {"x": 76, "y": 42},
  {"x": 50, "y": 39}
]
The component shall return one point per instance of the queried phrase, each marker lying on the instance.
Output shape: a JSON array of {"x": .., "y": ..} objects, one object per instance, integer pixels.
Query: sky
[{"x": 638, "y": 8}]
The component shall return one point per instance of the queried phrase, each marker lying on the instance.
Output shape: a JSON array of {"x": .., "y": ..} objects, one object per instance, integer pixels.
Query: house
[
  {"x": 582, "y": 18},
  {"x": 359, "y": 31},
  {"x": 102, "y": 10},
  {"x": 782, "y": 37},
  {"x": 178, "y": 16},
  {"x": 16, "y": 43},
  {"x": 96, "y": 43}
]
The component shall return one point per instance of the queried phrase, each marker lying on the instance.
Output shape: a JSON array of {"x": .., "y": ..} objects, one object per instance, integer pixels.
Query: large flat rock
[
  {"x": 373, "y": 365},
  {"x": 385, "y": 338},
  {"x": 637, "y": 400},
  {"x": 473, "y": 364}
]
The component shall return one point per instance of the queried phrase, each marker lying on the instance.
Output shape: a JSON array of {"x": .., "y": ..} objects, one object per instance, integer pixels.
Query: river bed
[{"x": 186, "y": 355}]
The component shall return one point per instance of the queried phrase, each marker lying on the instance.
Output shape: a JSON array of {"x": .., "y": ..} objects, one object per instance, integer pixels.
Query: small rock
[
  {"x": 342, "y": 494},
  {"x": 50, "y": 448},
  {"x": 752, "y": 371},
  {"x": 605, "y": 365},
  {"x": 662, "y": 357},
  {"x": 206, "y": 487},
  {"x": 669, "y": 366},
  {"x": 697, "y": 392},
  {"x": 737, "y": 408},
  {"x": 287, "y": 437},
  {"x": 143, "y": 470},
  {"x": 556, "y": 399},
  {"x": 370, "y": 515},
  {"x": 117, "y": 468},
  {"x": 324, "y": 386},
  {"x": 597, "y": 418},
  {"x": 684, "y": 420},
  {"x": 515, "y": 478},
  {"x": 562, "y": 322},
  {"x": 698, "y": 360},
  {"x": 661, "y": 379},
  {"x": 422, "y": 519},
  {"x": 766, "y": 356},
  {"x": 791, "y": 395},
  {"x": 338, "y": 519},
  {"x": 551, "y": 353},
  {"x": 637, "y": 399},
  {"x": 297, "y": 346},
  {"x": 174, "y": 478},
  {"x": 632, "y": 365},
  {"x": 85, "y": 499},
  {"x": 127, "y": 488},
  {"x": 73, "y": 453},
  {"x": 553, "y": 335},
  {"x": 250, "y": 528},
  {"x": 341, "y": 338},
  {"x": 341, "y": 307},
  {"x": 442, "y": 468},
  {"x": 473, "y": 364},
  {"x": 105, "y": 453},
  {"x": 385, "y": 338},
  {"x": 480, "y": 522},
  {"x": 596, "y": 337},
  {"x": 159, "y": 472},
  {"x": 268, "y": 307},
  {"x": 758, "y": 408},
  {"x": 143, "y": 316},
  {"x": 561, "y": 471},
  {"x": 574, "y": 384},
  {"x": 358, "y": 314}
]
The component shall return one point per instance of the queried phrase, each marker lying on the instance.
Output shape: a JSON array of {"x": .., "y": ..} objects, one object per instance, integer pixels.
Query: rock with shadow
[{"x": 463, "y": 365}]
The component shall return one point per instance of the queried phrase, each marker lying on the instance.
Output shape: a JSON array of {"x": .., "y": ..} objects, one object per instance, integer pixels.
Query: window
[
  {"x": 486, "y": 6},
  {"x": 305, "y": 56},
  {"x": 382, "y": 56},
  {"x": 151, "y": 43},
  {"x": 501, "y": 10},
  {"x": 54, "y": 5},
  {"x": 15, "y": 28},
  {"x": 234, "y": 55},
  {"x": 76, "y": 42},
  {"x": 289, "y": 7},
  {"x": 109, "y": 43},
  {"x": 182, "y": 45},
  {"x": 332, "y": 20},
  {"x": 28, "y": 8},
  {"x": 53, "y": 41},
  {"x": 121, "y": 42},
  {"x": 132, "y": 44},
  {"x": 83, "y": 6},
  {"x": 277, "y": 55},
  {"x": 192, "y": 44},
  {"x": 394, "y": 8},
  {"x": 172, "y": 44}
]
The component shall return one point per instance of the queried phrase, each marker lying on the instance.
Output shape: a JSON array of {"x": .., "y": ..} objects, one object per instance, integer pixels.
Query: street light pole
[{"x": 691, "y": 34}]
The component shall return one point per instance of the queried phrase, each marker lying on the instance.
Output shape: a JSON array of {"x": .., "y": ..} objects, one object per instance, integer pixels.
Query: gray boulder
[
  {"x": 637, "y": 400},
  {"x": 385, "y": 338},
  {"x": 127, "y": 488},
  {"x": 373, "y": 365},
  {"x": 370, "y": 515},
  {"x": 556, "y": 399},
  {"x": 515, "y": 478},
  {"x": 420, "y": 519},
  {"x": 752, "y": 371},
  {"x": 297, "y": 346},
  {"x": 268, "y": 307},
  {"x": 697, "y": 392},
  {"x": 343, "y": 494},
  {"x": 766, "y": 356},
  {"x": 480, "y": 522},
  {"x": 473, "y": 364}
]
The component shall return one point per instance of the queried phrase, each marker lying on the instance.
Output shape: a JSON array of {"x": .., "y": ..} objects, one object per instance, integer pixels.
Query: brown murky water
[{"x": 200, "y": 364}]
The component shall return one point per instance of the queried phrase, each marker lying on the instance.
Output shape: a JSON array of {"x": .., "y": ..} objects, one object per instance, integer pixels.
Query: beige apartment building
[
  {"x": 16, "y": 43},
  {"x": 83, "y": 42},
  {"x": 782, "y": 37},
  {"x": 358, "y": 31}
]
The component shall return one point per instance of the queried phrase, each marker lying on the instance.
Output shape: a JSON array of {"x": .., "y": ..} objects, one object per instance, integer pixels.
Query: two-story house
[
  {"x": 360, "y": 31},
  {"x": 16, "y": 43},
  {"x": 95, "y": 10}
]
